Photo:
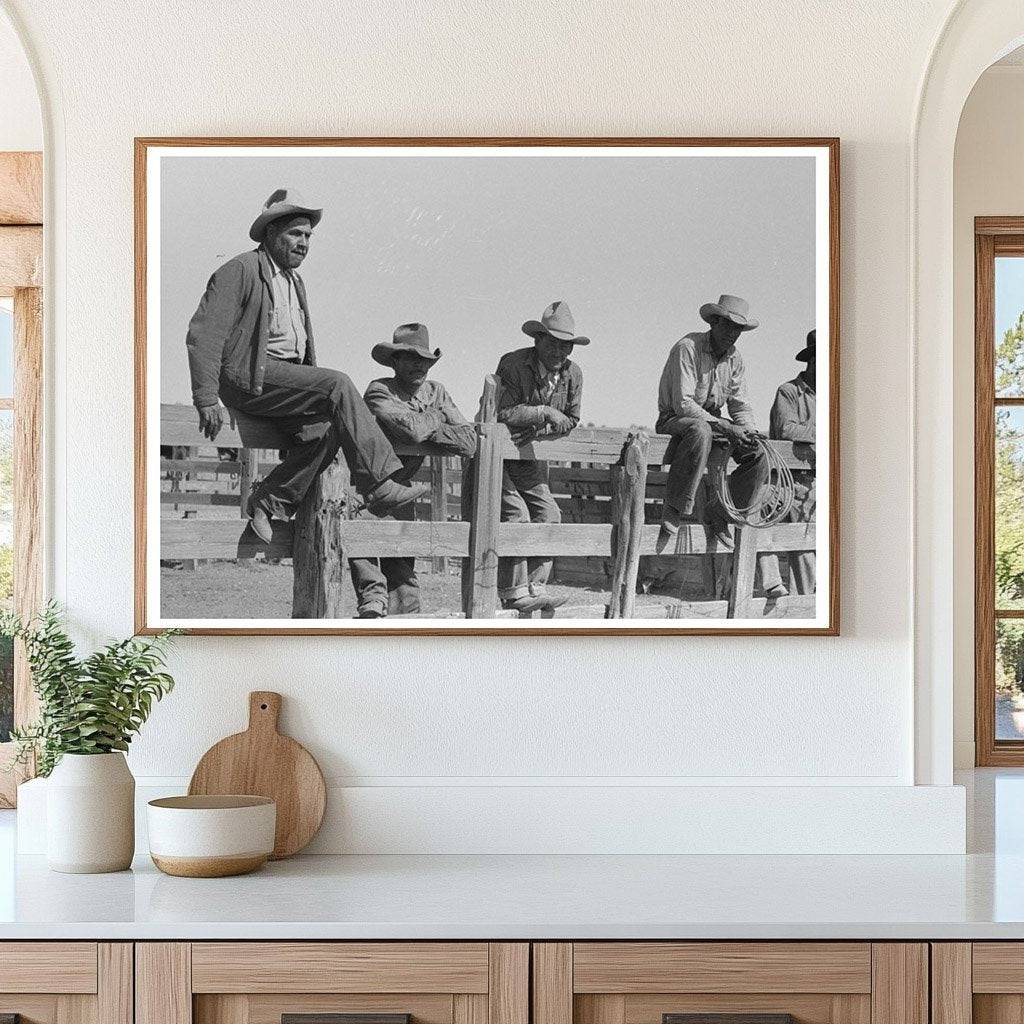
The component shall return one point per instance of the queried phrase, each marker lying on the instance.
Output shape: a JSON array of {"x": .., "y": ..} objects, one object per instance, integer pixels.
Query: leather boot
[
  {"x": 390, "y": 494},
  {"x": 259, "y": 519}
]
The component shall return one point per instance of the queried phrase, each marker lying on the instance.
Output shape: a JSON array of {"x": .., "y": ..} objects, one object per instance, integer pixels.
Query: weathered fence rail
[{"x": 607, "y": 494}]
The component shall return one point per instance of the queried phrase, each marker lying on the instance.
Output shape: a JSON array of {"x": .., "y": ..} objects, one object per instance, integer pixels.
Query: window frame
[
  {"x": 993, "y": 237},
  {"x": 21, "y": 261}
]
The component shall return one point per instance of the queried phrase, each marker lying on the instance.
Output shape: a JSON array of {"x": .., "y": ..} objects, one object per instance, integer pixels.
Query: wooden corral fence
[{"x": 607, "y": 493}]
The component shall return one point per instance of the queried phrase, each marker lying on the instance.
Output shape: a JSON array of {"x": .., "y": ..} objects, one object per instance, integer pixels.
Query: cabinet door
[
  {"x": 738, "y": 982},
  {"x": 980, "y": 982},
  {"x": 332, "y": 983},
  {"x": 66, "y": 982}
]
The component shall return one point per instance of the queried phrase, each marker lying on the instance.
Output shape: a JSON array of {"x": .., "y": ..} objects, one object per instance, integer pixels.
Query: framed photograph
[{"x": 487, "y": 386}]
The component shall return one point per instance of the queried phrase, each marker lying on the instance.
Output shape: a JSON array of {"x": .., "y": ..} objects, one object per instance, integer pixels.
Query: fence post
[
  {"x": 248, "y": 469},
  {"x": 483, "y": 506},
  {"x": 317, "y": 558},
  {"x": 744, "y": 564},
  {"x": 438, "y": 501},
  {"x": 629, "y": 489}
]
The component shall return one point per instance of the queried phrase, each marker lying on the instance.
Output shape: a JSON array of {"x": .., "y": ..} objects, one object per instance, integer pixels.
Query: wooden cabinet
[
  {"x": 979, "y": 982},
  {"x": 260, "y": 982},
  {"x": 494, "y": 983},
  {"x": 66, "y": 982},
  {"x": 815, "y": 982}
]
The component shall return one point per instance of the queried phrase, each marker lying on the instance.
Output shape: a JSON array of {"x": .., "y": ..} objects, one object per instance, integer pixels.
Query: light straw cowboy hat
[
  {"x": 732, "y": 308},
  {"x": 407, "y": 338},
  {"x": 805, "y": 355},
  {"x": 557, "y": 321},
  {"x": 283, "y": 202}
]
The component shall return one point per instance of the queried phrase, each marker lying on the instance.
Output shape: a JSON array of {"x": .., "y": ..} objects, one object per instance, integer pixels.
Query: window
[
  {"x": 999, "y": 490},
  {"x": 21, "y": 375},
  {"x": 6, "y": 510}
]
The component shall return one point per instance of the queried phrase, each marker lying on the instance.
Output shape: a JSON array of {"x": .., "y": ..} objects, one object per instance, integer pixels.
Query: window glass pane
[
  {"x": 1009, "y": 488},
  {"x": 1009, "y": 319},
  {"x": 6, "y": 566},
  {"x": 6, "y": 348},
  {"x": 1009, "y": 679}
]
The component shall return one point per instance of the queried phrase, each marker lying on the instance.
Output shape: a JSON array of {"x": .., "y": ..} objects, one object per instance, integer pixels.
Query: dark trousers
[
  {"x": 525, "y": 498},
  {"x": 300, "y": 399},
  {"x": 387, "y": 586},
  {"x": 693, "y": 449},
  {"x": 802, "y": 564}
]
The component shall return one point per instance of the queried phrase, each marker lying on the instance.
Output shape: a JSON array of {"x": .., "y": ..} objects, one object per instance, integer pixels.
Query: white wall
[
  {"x": 988, "y": 181},
  {"x": 444, "y": 713},
  {"x": 21, "y": 125}
]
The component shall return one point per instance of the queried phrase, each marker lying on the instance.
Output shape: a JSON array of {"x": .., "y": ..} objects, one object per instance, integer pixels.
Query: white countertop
[
  {"x": 978, "y": 896},
  {"x": 532, "y": 897}
]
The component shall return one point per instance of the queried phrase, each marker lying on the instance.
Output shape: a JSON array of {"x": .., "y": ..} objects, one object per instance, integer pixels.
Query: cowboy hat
[
  {"x": 557, "y": 321},
  {"x": 731, "y": 308},
  {"x": 407, "y": 338},
  {"x": 805, "y": 355},
  {"x": 283, "y": 202}
]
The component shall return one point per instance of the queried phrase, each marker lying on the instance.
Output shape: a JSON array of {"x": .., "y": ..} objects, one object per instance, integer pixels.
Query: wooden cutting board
[{"x": 262, "y": 762}]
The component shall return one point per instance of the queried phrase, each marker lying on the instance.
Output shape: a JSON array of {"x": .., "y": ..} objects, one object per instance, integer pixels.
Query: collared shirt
[
  {"x": 696, "y": 383},
  {"x": 793, "y": 412},
  {"x": 427, "y": 417},
  {"x": 287, "y": 337},
  {"x": 527, "y": 386}
]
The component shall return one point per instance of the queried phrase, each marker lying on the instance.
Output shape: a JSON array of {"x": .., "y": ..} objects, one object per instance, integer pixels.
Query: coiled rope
[{"x": 772, "y": 502}]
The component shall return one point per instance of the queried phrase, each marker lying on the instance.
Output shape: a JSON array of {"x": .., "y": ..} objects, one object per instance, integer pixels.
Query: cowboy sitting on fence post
[
  {"x": 411, "y": 410},
  {"x": 704, "y": 373},
  {"x": 250, "y": 346},
  {"x": 539, "y": 396}
]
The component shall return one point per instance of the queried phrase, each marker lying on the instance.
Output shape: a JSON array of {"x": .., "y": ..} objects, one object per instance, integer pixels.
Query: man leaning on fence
[
  {"x": 412, "y": 410},
  {"x": 540, "y": 390},
  {"x": 250, "y": 347},
  {"x": 703, "y": 376},
  {"x": 794, "y": 418}
]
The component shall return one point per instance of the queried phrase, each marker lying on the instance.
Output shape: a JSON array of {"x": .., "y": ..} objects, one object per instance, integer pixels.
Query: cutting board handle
[{"x": 264, "y": 710}]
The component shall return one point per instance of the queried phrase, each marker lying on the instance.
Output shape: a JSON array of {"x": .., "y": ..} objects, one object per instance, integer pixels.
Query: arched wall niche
[{"x": 975, "y": 35}]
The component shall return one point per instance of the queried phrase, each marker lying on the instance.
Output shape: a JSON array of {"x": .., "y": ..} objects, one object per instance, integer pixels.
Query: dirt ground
[{"x": 258, "y": 590}]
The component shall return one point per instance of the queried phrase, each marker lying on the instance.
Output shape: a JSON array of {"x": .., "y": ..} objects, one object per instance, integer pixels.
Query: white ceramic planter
[{"x": 90, "y": 814}]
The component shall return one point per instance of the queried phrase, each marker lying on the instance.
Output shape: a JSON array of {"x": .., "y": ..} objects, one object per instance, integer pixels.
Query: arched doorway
[{"x": 975, "y": 35}]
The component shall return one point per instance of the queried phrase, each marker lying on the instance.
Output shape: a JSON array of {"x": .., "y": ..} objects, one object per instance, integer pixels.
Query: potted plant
[{"x": 89, "y": 709}]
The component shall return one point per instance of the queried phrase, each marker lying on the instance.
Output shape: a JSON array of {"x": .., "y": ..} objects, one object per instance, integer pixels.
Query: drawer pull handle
[
  {"x": 342, "y": 1018},
  {"x": 728, "y": 1018}
]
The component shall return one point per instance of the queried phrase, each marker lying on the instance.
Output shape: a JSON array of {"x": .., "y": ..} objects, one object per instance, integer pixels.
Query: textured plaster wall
[{"x": 734, "y": 711}]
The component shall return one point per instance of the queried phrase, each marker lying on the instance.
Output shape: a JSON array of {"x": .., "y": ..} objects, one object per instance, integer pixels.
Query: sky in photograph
[{"x": 474, "y": 245}]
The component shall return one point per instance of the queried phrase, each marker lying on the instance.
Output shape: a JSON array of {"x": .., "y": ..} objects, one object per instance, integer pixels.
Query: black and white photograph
[{"x": 446, "y": 386}]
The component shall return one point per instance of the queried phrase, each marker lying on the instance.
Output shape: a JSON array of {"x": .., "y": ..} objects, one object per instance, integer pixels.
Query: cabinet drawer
[
  {"x": 66, "y": 982},
  {"x": 634, "y": 967},
  {"x": 749, "y": 982},
  {"x": 48, "y": 967},
  {"x": 340, "y": 967},
  {"x": 262, "y": 982}
]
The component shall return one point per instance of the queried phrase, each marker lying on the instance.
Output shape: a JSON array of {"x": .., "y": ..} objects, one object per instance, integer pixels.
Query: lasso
[{"x": 772, "y": 502}]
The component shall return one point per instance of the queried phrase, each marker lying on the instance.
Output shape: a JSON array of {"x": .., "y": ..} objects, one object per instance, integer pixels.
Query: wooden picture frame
[{"x": 481, "y": 539}]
